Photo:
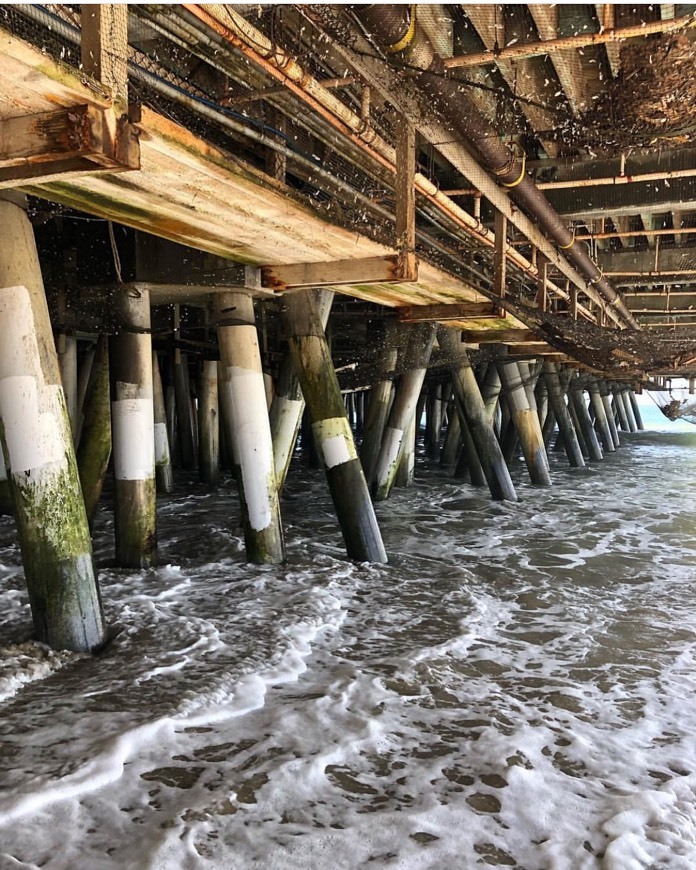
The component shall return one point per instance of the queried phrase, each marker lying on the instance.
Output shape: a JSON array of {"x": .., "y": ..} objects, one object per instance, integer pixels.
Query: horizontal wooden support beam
[
  {"x": 392, "y": 269},
  {"x": 536, "y": 49},
  {"x": 65, "y": 142},
  {"x": 455, "y": 311},
  {"x": 498, "y": 336}
]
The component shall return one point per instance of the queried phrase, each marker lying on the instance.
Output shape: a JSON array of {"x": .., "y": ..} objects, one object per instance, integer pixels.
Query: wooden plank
[
  {"x": 455, "y": 311},
  {"x": 406, "y": 192},
  {"x": 65, "y": 142},
  {"x": 369, "y": 270},
  {"x": 105, "y": 46},
  {"x": 498, "y": 336},
  {"x": 499, "y": 255}
]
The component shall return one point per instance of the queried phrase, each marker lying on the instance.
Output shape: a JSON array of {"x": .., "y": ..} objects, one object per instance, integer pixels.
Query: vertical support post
[
  {"x": 182, "y": 393},
  {"x": 163, "y": 463},
  {"x": 105, "y": 47},
  {"x": 407, "y": 463},
  {"x": 417, "y": 356},
  {"x": 490, "y": 391},
  {"x": 406, "y": 194},
  {"x": 621, "y": 409},
  {"x": 562, "y": 415},
  {"x": 433, "y": 419},
  {"x": 572, "y": 291},
  {"x": 468, "y": 397},
  {"x": 83, "y": 378},
  {"x": 469, "y": 464},
  {"x": 208, "y": 423},
  {"x": 38, "y": 448},
  {"x": 344, "y": 474},
  {"x": 94, "y": 450},
  {"x": 526, "y": 423},
  {"x": 609, "y": 413},
  {"x": 500, "y": 254},
  {"x": 453, "y": 438},
  {"x": 133, "y": 431},
  {"x": 632, "y": 425},
  {"x": 577, "y": 397},
  {"x": 542, "y": 298},
  {"x": 249, "y": 427},
  {"x": 288, "y": 403},
  {"x": 378, "y": 406},
  {"x": 636, "y": 410},
  {"x": 66, "y": 345},
  {"x": 601, "y": 417}
]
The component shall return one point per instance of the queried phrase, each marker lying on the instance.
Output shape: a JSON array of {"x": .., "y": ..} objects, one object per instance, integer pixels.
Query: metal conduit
[{"x": 394, "y": 28}]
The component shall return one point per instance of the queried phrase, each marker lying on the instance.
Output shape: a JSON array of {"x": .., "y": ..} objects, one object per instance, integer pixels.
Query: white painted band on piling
[
  {"x": 32, "y": 420},
  {"x": 161, "y": 444},
  {"x": 132, "y": 424},
  {"x": 253, "y": 447},
  {"x": 391, "y": 444},
  {"x": 336, "y": 441}
]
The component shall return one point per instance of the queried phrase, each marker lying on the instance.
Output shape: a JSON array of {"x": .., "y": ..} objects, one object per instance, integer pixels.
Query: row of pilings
[{"x": 68, "y": 418}]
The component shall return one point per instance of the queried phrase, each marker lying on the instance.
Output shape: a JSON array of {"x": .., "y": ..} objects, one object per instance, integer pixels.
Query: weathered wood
[
  {"x": 605, "y": 394},
  {"x": 163, "y": 464},
  {"x": 417, "y": 356},
  {"x": 208, "y": 423},
  {"x": 441, "y": 312},
  {"x": 104, "y": 35},
  {"x": 636, "y": 410},
  {"x": 334, "y": 439},
  {"x": 371, "y": 270},
  {"x": 407, "y": 462},
  {"x": 469, "y": 465},
  {"x": 433, "y": 420},
  {"x": 562, "y": 416},
  {"x": 133, "y": 433},
  {"x": 184, "y": 412},
  {"x": 406, "y": 195},
  {"x": 526, "y": 422},
  {"x": 500, "y": 254},
  {"x": 470, "y": 402},
  {"x": 288, "y": 403},
  {"x": 246, "y": 416},
  {"x": 621, "y": 409},
  {"x": 37, "y": 444},
  {"x": 83, "y": 377},
  {"x": 381, "y": 394},
  {"x": 66, "y": 347},
  {"x": 632, "y": 425},
  {"x": 601, "y": 417},
  {"x": 589, "y": 435},
  {"x": 453, "y": 438},
  {"x": 94, "y": 450},
  {"x": 499, "y": 336},
  {"x": 542, "y": 298}
]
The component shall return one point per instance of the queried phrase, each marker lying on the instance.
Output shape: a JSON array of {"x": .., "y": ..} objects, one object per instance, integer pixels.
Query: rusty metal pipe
[{"x": 450, "y": 98}]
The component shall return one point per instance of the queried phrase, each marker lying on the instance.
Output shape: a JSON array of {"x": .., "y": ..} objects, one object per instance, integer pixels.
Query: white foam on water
[{"x": 513, "y": 689}]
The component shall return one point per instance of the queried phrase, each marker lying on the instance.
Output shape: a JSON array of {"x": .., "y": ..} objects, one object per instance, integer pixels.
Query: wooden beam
[
  {"x": 542, "y": 298},
  {"x": 64, "y": 143},
  {"x": 105, "y": 47},
  {"x": 370, "y": 270},
  {"x": 499, "y": 255},
  {"x": 498, "y": 336},
  {"x": 455, "y": 311},
  {"x": 406, "y": 192},
  {"x": 537, "y": 49}
]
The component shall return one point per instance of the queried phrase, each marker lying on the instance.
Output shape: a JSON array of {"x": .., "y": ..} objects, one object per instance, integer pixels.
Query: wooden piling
[
  {"x": 564, "y": 421},
  {"x": 249, "y": 427},
  {"x": 66, "y": 345},
  {"x": 164, "y": 474},
  {"x": 470, "y": 402},
  {"x": 38, "y": 447},
  {"x": 636, "y": 410},
  {"x": 407, "y": 463},
  {"x": 421, "y": 338},
  {"x": 526, "y": 422},
  {"x": 344, "y": 474},
  {"x": 469, "y": 466},
  {"x": 133, "y": 431},
  {"x": 453, "y": 438},
  {"x": 381, "y": 394},
  {"x": 605, "y": 395},
  {"x": 628, "y": 407},
  {"x": 288, "y": 403},
  {"x": 208, "y": 423},
  {"x": 601, "y": 417},
  {"x": 621, "y": 409},
  {"x": 94, "y": 449},
  {"x": 576, "y": 396}
]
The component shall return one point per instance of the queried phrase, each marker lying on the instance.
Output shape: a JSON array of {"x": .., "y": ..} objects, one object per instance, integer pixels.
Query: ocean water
[{"x": 516, "y": 688}]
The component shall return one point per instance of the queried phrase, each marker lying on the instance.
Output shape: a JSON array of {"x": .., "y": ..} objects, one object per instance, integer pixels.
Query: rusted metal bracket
[
  {"x": 49, "y": 145},
  {"x": 392, "y": 269}
]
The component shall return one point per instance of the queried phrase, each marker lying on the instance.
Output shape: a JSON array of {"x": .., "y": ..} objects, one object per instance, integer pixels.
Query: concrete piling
[
  {"x": 133, "y": 431},
  {"x": 334, "y": 439},
  {"x": 38, "y": 448},
  {"x": 248, "y": 425}
]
